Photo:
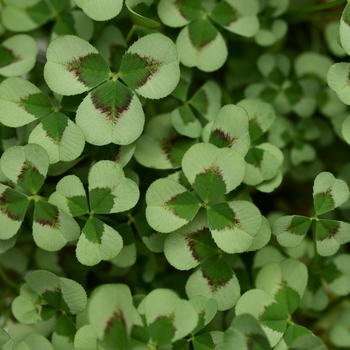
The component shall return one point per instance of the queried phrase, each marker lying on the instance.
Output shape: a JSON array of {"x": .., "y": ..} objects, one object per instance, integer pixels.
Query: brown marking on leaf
[
  {"x": 27, "y": 166},
  {"x": 191, "y": 242},
  {"x": 4, "y": 208},
  {"x": 168, "y": 144},
  {"x": 112, "y": 113},
  {"x": 214, "y": 286},
  {"x": 225, "y": 137},
  {"x": 117, "y": 316},
  {"x": 152, "y": 67},
  {"x": 50, "y": 223}
]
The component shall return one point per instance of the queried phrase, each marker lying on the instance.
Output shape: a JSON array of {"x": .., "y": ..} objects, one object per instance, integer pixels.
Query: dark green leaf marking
[
  {"x": 221, "y": 139},
  {"x": 186, "y": 114},
  {"x": 204, "y": 342},
  {"x": 112, "y": 99},
  {"x": 91, "y": 70},
  {"x": 221, "y": 217},
  {"x": 201, "y": 244},
  {"x": 314, "y": 282},
  {"x": 209, "y": 184},
  {"x": 54, "y": 298},
  {"x": 224, "y": 14},
  {"x": 255, "y": 157},
  {"x": 37, "y": 105},
  {"x": 331, "y": 272},
  {"x": 162, "y": 330},
  {"x": 189, "y": 9},
  {"x": 136, "y": 70},
  {"x": 277, "y": 76},
  {"x": 115, "y": 331},
  {"x": 184, "y": 205},
  {"x": 77, "y": 205},
  {"x": 326, "y": 229},
  {"x": 201, "y": 33},
  {"x": 93, "y": 230},
  {"x": 13, "y": 204},
  {"x": 200, "y": 101},
  {"x": 54, "y": 125},
  {"x": 255, "y": 130},
  {"x": 39, "y": 13},
  {"x": 30, "y": 178},
  {"x": 346, "y": 15},
  {"x": 66, "y": 328},
  {"x": 287, "y": 297},
  {"x": 269, "y": 94},
  {"x": 7, "y": 56},
  {"x": 274, "y": 317},
  {"x": 64, "y": 25},
  {"x": 46, "y": 214},
  {"x": 323, "y": 201},
  {"x": 217, "y": 273},
  {"x": 299, "y": 225},
  {"x": 175, "y": 148},
  {"x": 101, "y": 200}
]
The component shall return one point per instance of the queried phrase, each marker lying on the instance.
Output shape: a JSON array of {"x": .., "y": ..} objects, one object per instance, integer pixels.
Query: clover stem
[
  {"x": 131, "y": 33},
  {"x": 316, "y": 255},
  {"x": 316, "y": 8},
  {"x": 10, "y": 283}
]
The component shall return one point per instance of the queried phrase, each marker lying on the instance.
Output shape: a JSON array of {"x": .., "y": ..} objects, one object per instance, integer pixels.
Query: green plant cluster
[{"x": 174, "y": 174}]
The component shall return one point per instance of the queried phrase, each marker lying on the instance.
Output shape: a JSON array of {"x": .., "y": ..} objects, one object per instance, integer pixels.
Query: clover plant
[{"x": 174, "y": 174}]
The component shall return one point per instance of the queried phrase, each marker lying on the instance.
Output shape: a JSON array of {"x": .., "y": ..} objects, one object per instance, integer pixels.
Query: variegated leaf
[{"x": 100, "y": 10}]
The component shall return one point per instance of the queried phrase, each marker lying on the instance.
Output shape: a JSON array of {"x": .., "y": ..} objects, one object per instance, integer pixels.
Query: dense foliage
[{"x": 174, "y": 174}]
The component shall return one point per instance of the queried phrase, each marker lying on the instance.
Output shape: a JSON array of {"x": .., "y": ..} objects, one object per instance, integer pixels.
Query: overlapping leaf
[
  {"x": 234, "y": 224},
  {"x": 21, "y": 102},
  {"x": 169, "y": 205},
  {"x": 168, "y": 317},
  {"x": 18, "y": 55},
  {"x": 110, "y": 313},
  {"x": 140, "y": 12},
  {"x": 100, "y": 10},
  {"x": 206, "y": 309},
  {"x": 62, "y": 293},
  {"x": 215, "y": 279}
]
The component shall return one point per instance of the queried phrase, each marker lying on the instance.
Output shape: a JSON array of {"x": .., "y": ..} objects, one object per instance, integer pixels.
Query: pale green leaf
[
  {"x": 85, "y": 338},
  {"x": 169, "y": 205},
  {"x": 70, "y": 196},
  {"x": 238, "y": 17},
  {"x": 53, "y": 227},
  {"x": 13, "y": 207},
  {"x": 314, "y": 64},
  {"x": 345, "y": 129},
  {"x": 215, "y": 279},
  {"x": 262, "y": 237},
  {"x": 207, "y": 100},
  {"x": 6, "y": 244},
  {"x": 106, "y": 113},
  {"x": 97, "y": 242},
  {"x": 213, "y": 171},
  {"x": 100, "y": 10},
  {"x": 344, "y": 29},
  {"x": 137, "y": 9},
  {"x": 302, "y": 152},
  {"x": 192, "y": 244},
  {"x": 331, "y": 34},
  {"x": 329, "y": 192},
  {"x": 230, "y": 129},
  {"x": 285, "y": 282},
  {"x": 110, "y": 313},
  {"x": 174, "y": 14},
  {"x": 63, "y": 334},
  {"x": 150, "y": 66},
  {"x": 206, "y": 309},
  {"x": 60, "y": 292},
  {"x": 339, "y": 334},
  {"x": 60, "y": 137},
  {"x": 234, "y": 224},
  {"x": 269, "y": 186},
  {"x": 291, "y": 230},
  {"x": 21, "y": 102},
  {"x": 272, "y": 34},
  {"x": 337, "y": 79},
  {"x": 261, "y": 116},
  {"x": 185, "y": 122},
  {"x": 33, "y": 342},
  {"x": 211, "y": 340},
  {"x": 243, "y": 332},
  {"x": 23, "y": 49},
  {"x": 109, "y": 190},
  {"x": 160, "y": 146},
  {"x": 73, "y": 22},
  {"x": 168, "y": 317},
  {"x": 269, "y": 314},
  {"x": 26, "y": 166},
  {"x": 74, "y": 66},
  {"x": 201, "y": 45},
  {"x": 330, "y": 234}
]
